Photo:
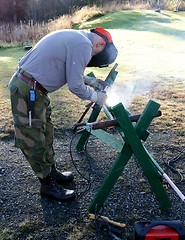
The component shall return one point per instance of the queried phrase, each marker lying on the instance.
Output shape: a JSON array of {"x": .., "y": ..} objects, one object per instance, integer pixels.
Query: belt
[{"x": 31, "y": 82}]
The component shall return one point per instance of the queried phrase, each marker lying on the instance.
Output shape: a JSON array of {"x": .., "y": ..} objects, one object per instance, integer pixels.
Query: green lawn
[{"x": 151, "y": 52}]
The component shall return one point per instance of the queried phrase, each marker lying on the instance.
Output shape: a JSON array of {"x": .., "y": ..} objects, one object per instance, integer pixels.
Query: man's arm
[
  {"x": 97, "y": 84},
  {"x": 75, "y": 67}
]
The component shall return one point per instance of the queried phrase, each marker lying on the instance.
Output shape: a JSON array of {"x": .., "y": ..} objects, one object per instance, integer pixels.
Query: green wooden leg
[
  {"x": 94, "y": 115},
  {"x": 85, "y": 135},
  {"x": 132, "y": 144},
  {"x": 110, "y": 179},
  {"x": 144, "y": 159}
]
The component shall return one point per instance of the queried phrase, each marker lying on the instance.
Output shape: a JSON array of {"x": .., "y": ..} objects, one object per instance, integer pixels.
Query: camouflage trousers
[{"x": 35, "y": 141}]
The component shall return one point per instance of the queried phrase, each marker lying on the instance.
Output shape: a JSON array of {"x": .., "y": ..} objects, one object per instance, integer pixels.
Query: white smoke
[{"x": 126, "y": 92}]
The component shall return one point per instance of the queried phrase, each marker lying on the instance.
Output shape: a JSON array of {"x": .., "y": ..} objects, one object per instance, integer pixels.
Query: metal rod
[
  {"x": 109, "y": 115},
  {"x": 114, "y": 122},
  {"x": 175, "y": 188},
  {"x": 88, "y": 106},
  {"x": 168, "y": 180}
]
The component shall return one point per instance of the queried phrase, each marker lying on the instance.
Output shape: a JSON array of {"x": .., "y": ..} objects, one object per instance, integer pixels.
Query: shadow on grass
[{"x": 140, "y": 21}]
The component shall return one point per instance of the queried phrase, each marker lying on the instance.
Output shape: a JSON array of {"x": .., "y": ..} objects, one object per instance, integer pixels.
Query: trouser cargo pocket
[{"x": 27, "y": 136}]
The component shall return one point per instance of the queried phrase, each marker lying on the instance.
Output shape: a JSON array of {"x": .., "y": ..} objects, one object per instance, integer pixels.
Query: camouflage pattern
[{"x": 35, "y": 141}]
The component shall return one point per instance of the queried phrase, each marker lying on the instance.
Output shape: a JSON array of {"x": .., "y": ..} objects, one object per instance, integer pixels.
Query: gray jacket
[{"x": 60, "y": 58}]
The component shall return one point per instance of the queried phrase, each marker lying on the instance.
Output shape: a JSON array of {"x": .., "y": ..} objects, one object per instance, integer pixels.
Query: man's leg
[
  {"x": 36, "y": 140},
  {"x": 47, "y": 165}
]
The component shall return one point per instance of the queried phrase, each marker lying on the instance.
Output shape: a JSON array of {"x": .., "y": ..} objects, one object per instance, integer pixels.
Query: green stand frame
[{"x": 131, "y": 134}]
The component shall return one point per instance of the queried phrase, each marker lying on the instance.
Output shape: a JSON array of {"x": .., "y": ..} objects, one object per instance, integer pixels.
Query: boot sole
[{"x": 57, "y": 199}]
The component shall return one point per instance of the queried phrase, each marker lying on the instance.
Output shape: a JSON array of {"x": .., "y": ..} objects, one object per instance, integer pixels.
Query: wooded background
[{"x": 43, "y": 10}]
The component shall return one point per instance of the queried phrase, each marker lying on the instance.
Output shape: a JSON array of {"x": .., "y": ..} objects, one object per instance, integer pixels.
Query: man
[{"x": 57, "y": 59}]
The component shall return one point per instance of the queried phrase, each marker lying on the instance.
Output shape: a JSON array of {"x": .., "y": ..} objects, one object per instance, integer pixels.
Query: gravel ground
[{"x": 27, "y": 215}]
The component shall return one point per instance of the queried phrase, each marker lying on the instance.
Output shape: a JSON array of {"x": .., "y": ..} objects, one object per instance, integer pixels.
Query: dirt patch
[{"x": 27, "y": 215}]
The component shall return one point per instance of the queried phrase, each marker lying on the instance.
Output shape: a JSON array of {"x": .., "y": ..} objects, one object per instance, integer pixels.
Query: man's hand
[
  {"x": 99, "y": 98},
  {"x": 100, "y": 84},
  {"x": 97, "y": 84}
]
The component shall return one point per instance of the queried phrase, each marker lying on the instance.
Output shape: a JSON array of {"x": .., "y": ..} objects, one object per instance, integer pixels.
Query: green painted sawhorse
[
  {"x": 131, "y": 134},
  {"x": 96, "y": 108}
]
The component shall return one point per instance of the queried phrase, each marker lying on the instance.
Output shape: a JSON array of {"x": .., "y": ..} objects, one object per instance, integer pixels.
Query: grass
[
  {"x": 150, "y": 49},
  {"x": 8, "y": 62},
  {"x": 32, "y": 32},
  {"x": 150, "y": 67}
]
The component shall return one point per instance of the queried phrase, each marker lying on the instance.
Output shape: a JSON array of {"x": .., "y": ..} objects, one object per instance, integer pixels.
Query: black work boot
[
  {"x": 52, "y": 189},
  {"x": 61, "y": 178}
]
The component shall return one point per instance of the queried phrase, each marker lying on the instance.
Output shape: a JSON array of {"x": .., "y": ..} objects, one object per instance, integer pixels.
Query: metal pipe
[
  {"x": 110, "y": 123},
  {"x": 88, "y": 106},
  {"x": 114, "y": 122},
  {"x": 175, "y": 188},
  {"x": 168, "y": 180},
  {"x": 107, "y": 112}
]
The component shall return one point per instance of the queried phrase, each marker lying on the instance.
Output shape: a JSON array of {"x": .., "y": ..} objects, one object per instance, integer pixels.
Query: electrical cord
[
  {"x": 101, "y": 226},
  {"x": 171, "y": 162},
  {"x": 87, "y": 179},
  {"x": 74, "y": 164},
  {"x": 74, "y": 203},
  {"x": 105, "y": 230}
]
